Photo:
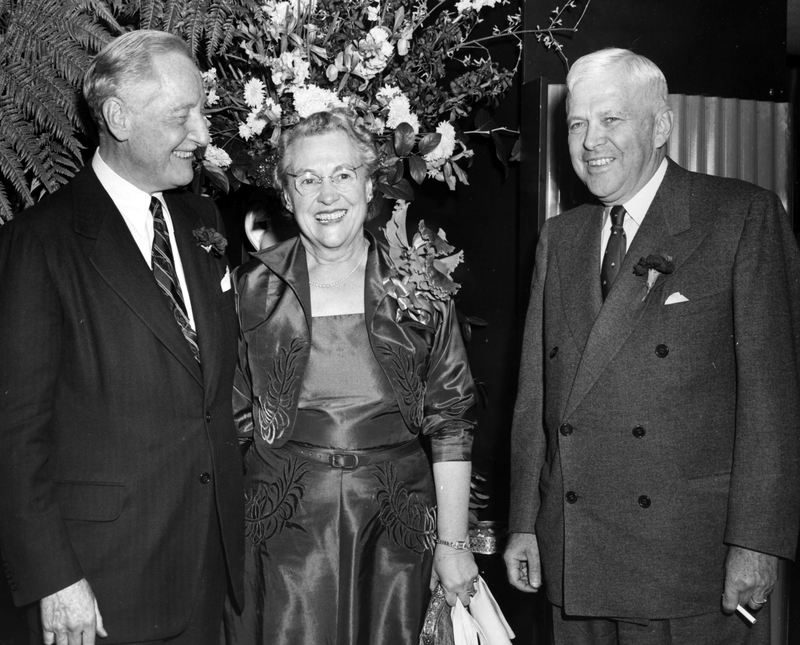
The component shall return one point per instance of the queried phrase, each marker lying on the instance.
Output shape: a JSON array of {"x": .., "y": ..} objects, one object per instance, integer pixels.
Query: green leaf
[
  {"x": 400, "y": 190},
  {"x": 483, "y": 121},
  {"x": 403, "y": 140},
  {"x": 418, "y": 168},
  {"x": 429, "y": 142},
  {"x": 515, "y": 151},
  {"x": 501, "y": 150}
]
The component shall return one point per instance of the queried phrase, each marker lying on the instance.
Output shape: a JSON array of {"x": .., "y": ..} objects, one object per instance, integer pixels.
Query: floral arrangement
[
  {"x": 423, "y": 267},
  {"x": 209, "y": 239},
  {"x": 410, "y": 69}
]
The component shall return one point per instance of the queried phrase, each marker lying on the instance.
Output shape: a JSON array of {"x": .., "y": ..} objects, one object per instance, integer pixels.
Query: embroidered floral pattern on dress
[
  {"x": 410, "y": 377},
  {"x": 270, "y": 507},
  {"x": 273, "y": 407},
  {"x": 409, "y": 522}
]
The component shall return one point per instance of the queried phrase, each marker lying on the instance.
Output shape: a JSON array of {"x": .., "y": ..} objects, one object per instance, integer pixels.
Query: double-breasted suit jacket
[
  {"x": 649, "y": 436},
  {"x": 116, "y": 446}
]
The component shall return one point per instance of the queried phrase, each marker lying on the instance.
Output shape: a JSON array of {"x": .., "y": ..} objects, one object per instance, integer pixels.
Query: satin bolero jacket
[{"x": 427, "y": 367}]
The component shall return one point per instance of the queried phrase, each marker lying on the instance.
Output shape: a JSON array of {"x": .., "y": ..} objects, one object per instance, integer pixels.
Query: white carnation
[{"x": 400, "y": 112}]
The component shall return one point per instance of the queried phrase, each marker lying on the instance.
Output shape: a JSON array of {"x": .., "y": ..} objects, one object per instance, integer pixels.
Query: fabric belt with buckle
[{"x": 349, "y": 459}]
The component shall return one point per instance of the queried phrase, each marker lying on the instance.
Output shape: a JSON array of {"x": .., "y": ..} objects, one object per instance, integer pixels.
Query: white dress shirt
[
  {"x": 636, "y": 208},
  {"x": 134, "y": 205}
]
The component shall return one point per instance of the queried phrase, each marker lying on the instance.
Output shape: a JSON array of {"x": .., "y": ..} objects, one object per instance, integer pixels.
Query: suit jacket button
[
  {"x": 566, "y": 429},
  {"x": 208, "y": 417},
  {"x": 662, "y": 351},
  {"x": 638, "y": 432},
  {"x": 553, "y": 352},
  {"x": 205, "y": 478},
  {"x": 644, "y": 501},
  {"x": 572, "y": 497}
]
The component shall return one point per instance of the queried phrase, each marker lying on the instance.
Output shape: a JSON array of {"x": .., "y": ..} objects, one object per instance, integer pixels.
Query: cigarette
[{"x": 746, "y": 614}]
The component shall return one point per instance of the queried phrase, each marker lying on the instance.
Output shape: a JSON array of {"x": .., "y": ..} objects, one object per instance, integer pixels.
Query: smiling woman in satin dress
[{"x": 348, "y": 526}]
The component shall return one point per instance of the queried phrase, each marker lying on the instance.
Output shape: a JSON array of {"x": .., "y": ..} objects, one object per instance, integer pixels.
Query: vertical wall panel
[{"x": 746, "y": 140}]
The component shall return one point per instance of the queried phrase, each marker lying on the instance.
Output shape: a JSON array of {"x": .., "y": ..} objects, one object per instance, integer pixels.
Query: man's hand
[
  {"x": 71, "y": 616},
  {"x": 749, "y": 578},
  {"x": 522, "y": 562}
]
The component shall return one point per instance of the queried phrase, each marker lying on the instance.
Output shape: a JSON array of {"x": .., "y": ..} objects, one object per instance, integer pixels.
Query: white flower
[
  {"x": 400, "y": 112},
  {"x": 276, "y": 12},
  {"x": 375, "y": 50},
  {"x": 245, "y": 131},
  {"x": 310, "y": 99},
  {"x": 211, "y": 97},
  {"x": 378, "y": 34},
  {"x": 209, "y": 77},
  {"x": 256, "y": 122},
  {"x": 289, "y": 68},
  {"x": 387, "y": 93},
  {"x": 254, "y": 93},
  {"x": 373, "y": 13},
  {"x": 218, "y": 157},
  {"x": 463, "y": 5},
  {"x": 447, "y": 145},
  {"x": 272, "y": 110}
]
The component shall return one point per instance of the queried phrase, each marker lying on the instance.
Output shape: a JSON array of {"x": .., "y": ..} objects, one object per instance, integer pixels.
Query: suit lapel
[
  {"x": 202, "y": 281},
  {"x": 119, "y": 262},
  {"x": 579, "y": 275},
  {"x": 666, "y": 230}
]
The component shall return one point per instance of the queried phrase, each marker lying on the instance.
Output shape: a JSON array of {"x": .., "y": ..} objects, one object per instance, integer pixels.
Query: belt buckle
[{"x": 343, "y": 460}]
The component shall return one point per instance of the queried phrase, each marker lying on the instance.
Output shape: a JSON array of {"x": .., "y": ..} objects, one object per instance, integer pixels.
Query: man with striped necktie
[{"x": 121, "y": 513}]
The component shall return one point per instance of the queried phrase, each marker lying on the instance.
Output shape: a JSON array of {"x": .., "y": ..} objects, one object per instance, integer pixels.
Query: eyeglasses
[{"x": 309, "y": 183}]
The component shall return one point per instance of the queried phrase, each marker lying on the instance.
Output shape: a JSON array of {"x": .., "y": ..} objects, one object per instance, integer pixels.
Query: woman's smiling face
[{"x": 330, "y": 219}]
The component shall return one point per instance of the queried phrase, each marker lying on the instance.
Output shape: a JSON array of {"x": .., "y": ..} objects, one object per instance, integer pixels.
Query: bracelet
[{"x": 458, "y": 545}]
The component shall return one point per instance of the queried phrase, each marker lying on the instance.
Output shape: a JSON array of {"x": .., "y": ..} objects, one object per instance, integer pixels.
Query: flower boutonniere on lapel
[
  {"x": 652, "y": 266},
  {"x": 422, "y": 269},
  {"x": 209, "y": 240}
]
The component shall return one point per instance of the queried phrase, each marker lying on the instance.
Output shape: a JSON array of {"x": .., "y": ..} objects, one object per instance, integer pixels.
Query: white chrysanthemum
[
  {"x": 254, "y": 93},
  {"x": 245, "y": 131},
  {"x": 400, "y": 112},
  {"x": 447, "y": 145},
  {"x": 218, "y": 157},
  {"x": 310, "y": 99},
  {"x": 463, "y": 5},
  {"x": 209, "y": 77},
  {"x": 256, "y": 122},
  {"x": 212, "y": 98}
]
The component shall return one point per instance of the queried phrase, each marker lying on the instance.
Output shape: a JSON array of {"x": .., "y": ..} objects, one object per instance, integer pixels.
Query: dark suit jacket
[
  {"x": 115, "y": 445},
  {"x": 646, "y": 436},
  {"x": 426, "y": 366}
]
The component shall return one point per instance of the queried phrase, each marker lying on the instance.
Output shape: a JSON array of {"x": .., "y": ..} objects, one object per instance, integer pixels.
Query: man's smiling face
[{"x": 614, "y": 137}]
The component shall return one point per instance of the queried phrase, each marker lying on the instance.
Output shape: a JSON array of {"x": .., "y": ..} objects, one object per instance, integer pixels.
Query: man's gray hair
[
  {"x": 125, "y": 62},
  {"x": 641, "y": 71}
]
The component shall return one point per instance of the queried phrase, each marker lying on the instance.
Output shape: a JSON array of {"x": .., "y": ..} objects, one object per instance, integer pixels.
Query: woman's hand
[{"x": 457, "y": 572}]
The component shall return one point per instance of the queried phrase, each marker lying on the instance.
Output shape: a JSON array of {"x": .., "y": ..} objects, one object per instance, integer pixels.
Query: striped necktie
[
  {"x": 615, "y": 250},
  {"x": 167, "y": 279}
]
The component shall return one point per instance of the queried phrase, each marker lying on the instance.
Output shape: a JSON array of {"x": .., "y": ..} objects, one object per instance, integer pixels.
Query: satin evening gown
[{"x": 338, "y": 556}]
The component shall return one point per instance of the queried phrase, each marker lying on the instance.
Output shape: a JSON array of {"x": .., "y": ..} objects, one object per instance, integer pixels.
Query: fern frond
[{"x": 6, "y": 210}]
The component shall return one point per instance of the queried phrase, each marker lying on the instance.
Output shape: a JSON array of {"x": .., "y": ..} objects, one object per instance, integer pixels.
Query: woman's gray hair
[
  {"x": 641, "y": 71},
  {"x": 126, "y": 62},
  {"x": 333, "y": 120}
]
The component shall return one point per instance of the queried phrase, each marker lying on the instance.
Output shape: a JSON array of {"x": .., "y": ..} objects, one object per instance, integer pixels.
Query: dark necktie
[
  {"x": 615, "y": 250},
  {"x": 167, "y": 279}
]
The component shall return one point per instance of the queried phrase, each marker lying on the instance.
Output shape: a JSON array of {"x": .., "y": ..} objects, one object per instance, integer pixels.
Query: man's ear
[
  {"x": 663, "y": 127},
  {"x": 117, "y": 118}
]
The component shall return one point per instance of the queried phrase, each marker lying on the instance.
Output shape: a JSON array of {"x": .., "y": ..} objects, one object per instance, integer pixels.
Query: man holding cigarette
[{"x": 655, "y": 443}]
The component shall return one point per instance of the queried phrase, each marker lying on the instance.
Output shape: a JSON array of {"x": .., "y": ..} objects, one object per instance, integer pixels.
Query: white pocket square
[
  {"x": 676, "y": 298},
  {"x": 225, "y": 283}
]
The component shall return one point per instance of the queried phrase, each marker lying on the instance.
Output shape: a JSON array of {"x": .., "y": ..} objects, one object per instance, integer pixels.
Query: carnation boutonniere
[
  {"x": 210, "y": 240},
  {"x": 652, "y": 266},
  {"x": 422, "y": 268}
]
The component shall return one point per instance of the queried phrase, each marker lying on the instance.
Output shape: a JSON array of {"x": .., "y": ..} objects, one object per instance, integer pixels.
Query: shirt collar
[
  {"x": 131, "y": 201},
  {"x": 639, "y": 204}
]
